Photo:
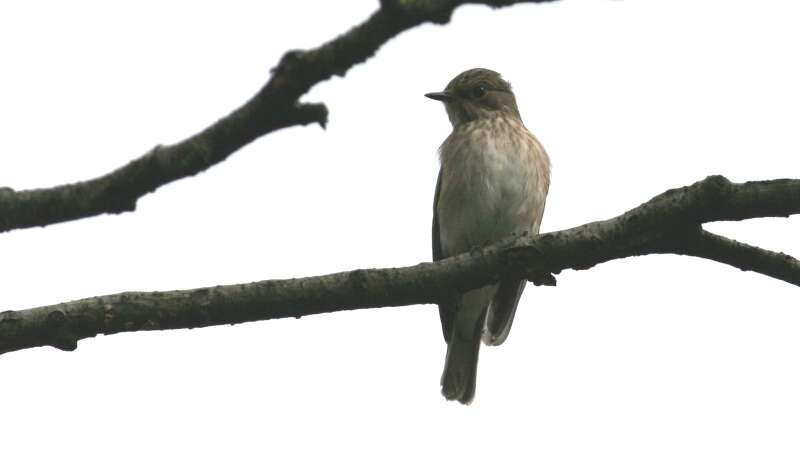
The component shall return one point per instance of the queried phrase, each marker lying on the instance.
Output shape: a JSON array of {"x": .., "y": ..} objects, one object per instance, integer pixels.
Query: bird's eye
[{"x": 479, "y": 91}]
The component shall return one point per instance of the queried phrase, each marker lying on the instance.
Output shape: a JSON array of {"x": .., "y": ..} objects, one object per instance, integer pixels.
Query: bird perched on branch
[{"x": 493, "y": 182}]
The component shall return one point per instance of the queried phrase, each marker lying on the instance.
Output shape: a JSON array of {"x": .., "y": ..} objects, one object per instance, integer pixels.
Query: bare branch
[
  {"x": 668, "y": 223},
  {"x": 118, "y": 191},
  {"x": 743, "y": 256},
  {"x": 274, "y": 107}
]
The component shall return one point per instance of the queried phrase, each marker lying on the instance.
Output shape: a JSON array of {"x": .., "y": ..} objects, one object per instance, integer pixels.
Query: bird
[{"x": 493, "y": 181}]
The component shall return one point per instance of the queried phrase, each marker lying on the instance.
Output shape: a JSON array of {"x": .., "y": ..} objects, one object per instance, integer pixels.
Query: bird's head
[{"x": 476, "y": 94}]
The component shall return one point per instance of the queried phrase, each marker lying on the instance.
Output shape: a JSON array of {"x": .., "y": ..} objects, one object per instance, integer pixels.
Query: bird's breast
[{"x": 495, "y": 177}]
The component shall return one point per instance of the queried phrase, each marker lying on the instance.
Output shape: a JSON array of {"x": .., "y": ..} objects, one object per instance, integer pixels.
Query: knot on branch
[
  {"x": 712, "y": 196},
  {"x": 717, "y": 181},
  {"x": 526, "y": 259},
  {"x": 62, "y": 336},
  {"x": 306, "y": 113},
  {"x": 715, "y": 187},
  {"x": 288, "y": 62},
  {"x": 56, "y": 318},
  {"x": 65, "y": 342},
  {"x": 542, "y": 279},
  {"x": 522, "y": 260},
  {"x": 295, "y": 73}
]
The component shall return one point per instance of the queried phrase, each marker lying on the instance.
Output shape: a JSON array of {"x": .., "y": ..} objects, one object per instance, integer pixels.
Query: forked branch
[
  {"x": 668, "y": 223},
  {"x": 274, "y": 107}
]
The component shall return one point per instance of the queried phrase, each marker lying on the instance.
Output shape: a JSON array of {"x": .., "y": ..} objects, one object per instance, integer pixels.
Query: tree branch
[
  {"x": 118, "y": 191},
  {"x": 274, "y": 107},
  {"x": 668, "y": 223},
  {"x": 740, "y": 255}
]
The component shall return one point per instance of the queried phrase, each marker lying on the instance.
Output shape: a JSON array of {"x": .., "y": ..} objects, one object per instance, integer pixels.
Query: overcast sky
[{"x": 630, "y": 98}]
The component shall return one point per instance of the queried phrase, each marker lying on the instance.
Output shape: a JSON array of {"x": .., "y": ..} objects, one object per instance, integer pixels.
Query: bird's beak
[{"x": 443, "y": 96}]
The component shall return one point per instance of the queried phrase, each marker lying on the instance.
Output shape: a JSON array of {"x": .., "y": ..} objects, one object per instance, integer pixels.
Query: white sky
[{"x": 630, "y": 98}]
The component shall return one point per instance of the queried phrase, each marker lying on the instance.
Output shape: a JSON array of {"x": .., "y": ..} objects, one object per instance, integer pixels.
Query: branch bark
[
  {"x": 274, "y": 107},
  {"x": 668, "y": 223}
]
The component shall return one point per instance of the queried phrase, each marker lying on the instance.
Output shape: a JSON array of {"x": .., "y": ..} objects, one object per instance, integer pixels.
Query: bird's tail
[
  {"x": 502, "y": 310},
  {"x": 461, "y": 364}
]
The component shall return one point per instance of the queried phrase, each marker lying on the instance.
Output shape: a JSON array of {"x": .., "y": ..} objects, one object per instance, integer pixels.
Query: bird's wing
[
  {"x": 504, "y": 305},
  {"x": 437, "y": 244},
  {"x": 447, "y": 307},
  {"x": 502, "y": 310}
]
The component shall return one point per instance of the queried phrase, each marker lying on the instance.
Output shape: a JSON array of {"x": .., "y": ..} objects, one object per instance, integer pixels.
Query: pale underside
[
  {"x": 493, "y": 183},
  {"x": 495, "y": 177}
]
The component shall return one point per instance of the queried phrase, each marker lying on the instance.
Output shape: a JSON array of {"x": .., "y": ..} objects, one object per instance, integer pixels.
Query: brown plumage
[{"x": 492, "y": 183}]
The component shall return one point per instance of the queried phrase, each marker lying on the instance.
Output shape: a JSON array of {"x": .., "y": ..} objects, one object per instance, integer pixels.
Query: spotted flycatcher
[{"x": 493, "y": 182}]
